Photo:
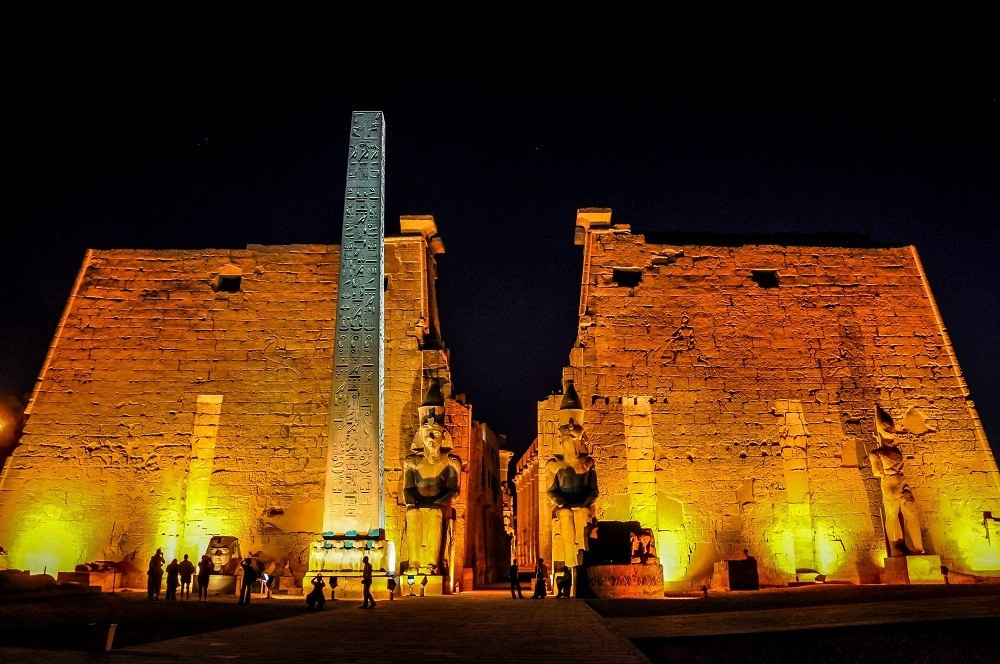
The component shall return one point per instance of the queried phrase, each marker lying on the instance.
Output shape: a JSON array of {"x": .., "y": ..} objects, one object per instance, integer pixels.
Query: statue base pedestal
[
  {"x": 600, "y": 581},
  {"x": 922, "y": 569},
  {"x": 222, "y": 584},
  {"x": 435, "y": 587},
  {"x": 349, "y": 586},
  {"x": 341, "y": 554}
]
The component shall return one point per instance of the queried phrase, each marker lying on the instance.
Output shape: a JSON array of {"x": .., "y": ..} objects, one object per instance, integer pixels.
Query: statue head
[
  {"x": 571, "y": 422},
  {"x": 432, "y": 437},
  {"x": 223, "y": 549}
]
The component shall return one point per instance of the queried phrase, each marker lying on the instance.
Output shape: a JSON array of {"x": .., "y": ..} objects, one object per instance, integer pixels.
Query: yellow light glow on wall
[
  {"x": 979, "y": 553},
  {"x": 668, "y": 550},
  {"x": 782, "y": 548},
  {"x": 831, "y": 555},
  {"x": 50, "y": 541}
]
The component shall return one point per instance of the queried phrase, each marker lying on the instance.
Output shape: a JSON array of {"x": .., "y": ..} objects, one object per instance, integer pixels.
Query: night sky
[{"x": 185, "y": 132}]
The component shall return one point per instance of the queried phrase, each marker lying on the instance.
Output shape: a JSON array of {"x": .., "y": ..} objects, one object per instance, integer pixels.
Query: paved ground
[{"x": 488, "y": 626}]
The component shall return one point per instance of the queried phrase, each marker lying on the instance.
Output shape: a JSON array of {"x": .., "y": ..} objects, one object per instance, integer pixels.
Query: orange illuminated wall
[
  {"x": 730, "y": 395},
  {"x": 176, "y": 403}
]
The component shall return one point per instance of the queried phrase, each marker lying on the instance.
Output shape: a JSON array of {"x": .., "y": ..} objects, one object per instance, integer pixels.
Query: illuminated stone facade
[
  {"x": 730, "y": 391},
  {"x": 187, "y": 393}
]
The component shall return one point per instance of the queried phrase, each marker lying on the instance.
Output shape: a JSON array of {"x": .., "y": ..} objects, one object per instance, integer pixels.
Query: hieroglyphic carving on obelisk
[{"x": 353, "y": 499}]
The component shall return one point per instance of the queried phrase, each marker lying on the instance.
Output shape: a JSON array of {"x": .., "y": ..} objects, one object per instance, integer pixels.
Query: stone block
[{"x": 924, "y": 569}]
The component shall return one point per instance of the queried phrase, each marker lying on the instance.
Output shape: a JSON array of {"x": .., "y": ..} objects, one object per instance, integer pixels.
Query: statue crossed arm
[
  {"x": 572, "y": 492},
  {"x": 429, "y": 484}
]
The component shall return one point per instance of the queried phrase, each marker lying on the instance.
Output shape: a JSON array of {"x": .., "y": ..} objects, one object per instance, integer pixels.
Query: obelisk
[{"x": 354, "y": 459}]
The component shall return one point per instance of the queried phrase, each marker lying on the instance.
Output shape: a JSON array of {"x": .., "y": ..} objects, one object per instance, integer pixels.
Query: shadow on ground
[
  {"x": 934, "y": 642},
  {"x": 920, "y": 642},
  {"x": 62, "y": 621}
]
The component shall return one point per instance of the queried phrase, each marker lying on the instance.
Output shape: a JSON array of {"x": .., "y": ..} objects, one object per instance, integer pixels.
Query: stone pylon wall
[
  {"x": 168, "y": 411},
  {"x": 726, "y": 414}
]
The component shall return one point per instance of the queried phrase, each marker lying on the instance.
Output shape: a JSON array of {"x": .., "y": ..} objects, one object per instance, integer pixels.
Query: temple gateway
[{"x": 787, "y": 405}]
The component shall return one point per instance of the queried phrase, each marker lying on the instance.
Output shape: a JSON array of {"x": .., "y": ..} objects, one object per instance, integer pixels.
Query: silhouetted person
[
  {"x": 155, "y": 575},
  {"x": 366, "y": 584},
  {"x": 315, "y": 599},
  {"x": 249, "y": 579},
  {"x": 515, "y": 581},
  {"x": 565, "y": 583},
  {"x": 205, "y": 569},
  {"x": 541, "y": 575},
  {"x": 173, "y": 579},
  {"x": 186, "y": 568}
]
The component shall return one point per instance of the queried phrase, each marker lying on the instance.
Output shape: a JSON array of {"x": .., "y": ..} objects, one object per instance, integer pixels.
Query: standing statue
[
  {"x": 430, "y": 480},
  {"x": 573, "y": 487},
  {"x": 897, "y": 499}
]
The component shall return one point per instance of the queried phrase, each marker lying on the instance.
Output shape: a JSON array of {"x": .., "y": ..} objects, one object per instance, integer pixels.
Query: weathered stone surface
[
  {"x": 760, "y": 404},
  {"x": 635, "y": 581},
  {"x": 168, "y": 410}
]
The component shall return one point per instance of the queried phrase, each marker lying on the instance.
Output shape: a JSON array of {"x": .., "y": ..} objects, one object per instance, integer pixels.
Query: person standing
[
  {"x": 205, "y": 569},
  {"x": 155, "y": 575},
  {"x": 186, "y": 568},
  {"x": 515, "y": 581},
  {"x": 366, "y": 584},
  {"x": 249, "y": 579},
  {"x": 541, "y": 576},
  {"x": 173, "y": 579}
]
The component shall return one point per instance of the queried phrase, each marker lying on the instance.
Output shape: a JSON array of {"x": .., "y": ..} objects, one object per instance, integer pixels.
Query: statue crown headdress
[
  {"x": 570, "y": 409},
  {"x": 433, "y": 403},
  {"x": 884, "y": 425}
]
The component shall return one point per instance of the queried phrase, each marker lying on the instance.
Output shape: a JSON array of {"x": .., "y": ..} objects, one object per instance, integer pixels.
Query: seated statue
[
  {"x": 430, "y": 480},
  {"x": 224, "y": 550},
  {"x": 897, "y": 498},
  {"x": 573, "y": 487}
]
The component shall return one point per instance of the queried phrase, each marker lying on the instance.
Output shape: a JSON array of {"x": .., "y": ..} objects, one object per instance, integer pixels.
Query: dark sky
[{"x": 184, "y": 131}]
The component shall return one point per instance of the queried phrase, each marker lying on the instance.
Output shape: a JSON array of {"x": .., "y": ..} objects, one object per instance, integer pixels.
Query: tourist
[
  {"x": 173, "y": 579},
  {"x": 515, "y": 581},
  {"x": 541, "y": 578},
  {"x": 366, "y": 584},
  {"x": 155, "y": 575},
  {"x": 249, "y": 579},
  {"x": 315, "y": 599},
  {"x": 205, "y": 569},
  {"x": 186, "y": 569}
]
